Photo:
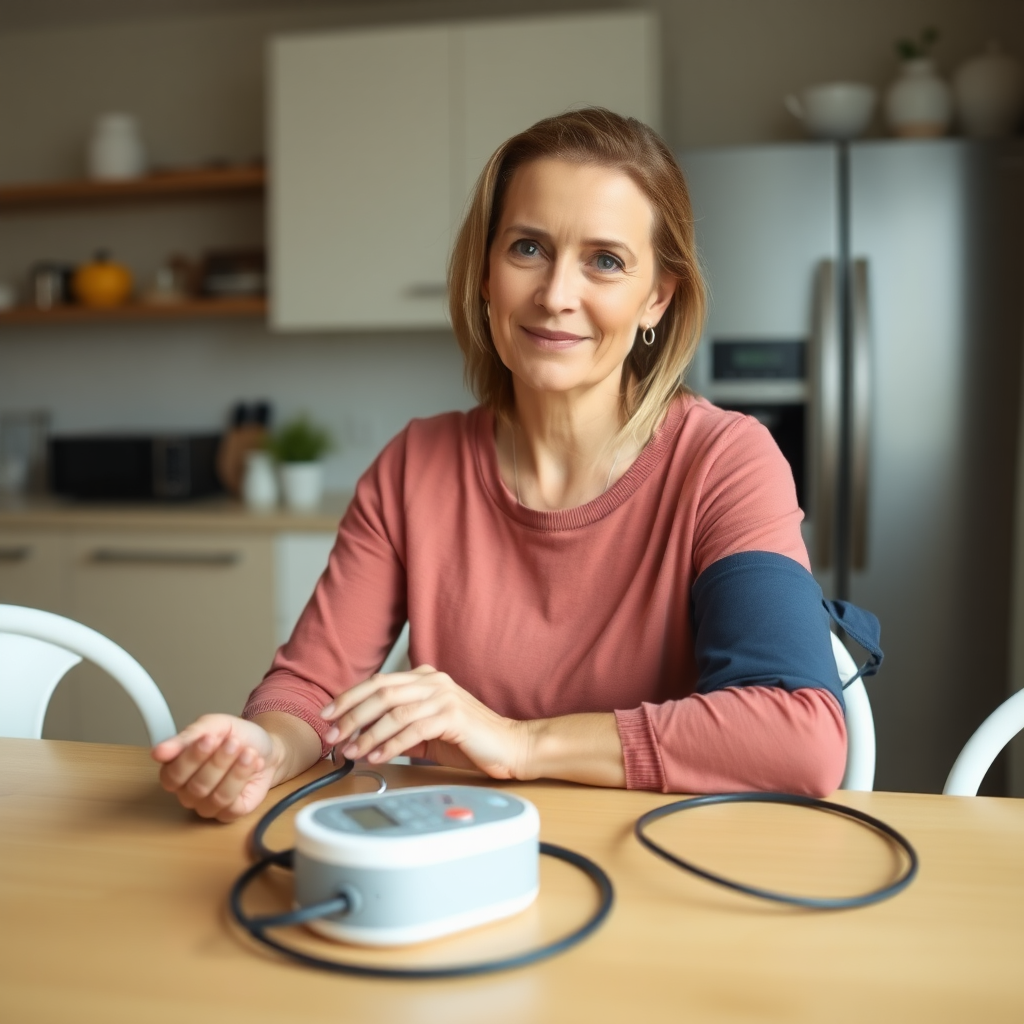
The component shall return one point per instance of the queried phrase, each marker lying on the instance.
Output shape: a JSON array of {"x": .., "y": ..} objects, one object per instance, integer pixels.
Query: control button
[
  {"x": 459, "y": 814},
  {"x": 497, "y": 801}
]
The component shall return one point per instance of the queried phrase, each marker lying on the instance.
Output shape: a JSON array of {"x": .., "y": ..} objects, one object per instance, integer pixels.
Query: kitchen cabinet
[
  {"x": 200, "y": 595},
  {"x": 195, "y": 610},
  {"x": 376, "y": 138},
  {"x": 516, "y": 72},
  {"x": 32, "y": 564},
  {"x": 359, "y": 197}
]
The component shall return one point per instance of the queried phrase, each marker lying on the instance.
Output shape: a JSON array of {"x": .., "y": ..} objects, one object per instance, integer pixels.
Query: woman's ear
[{"x": 659, "y": 299}]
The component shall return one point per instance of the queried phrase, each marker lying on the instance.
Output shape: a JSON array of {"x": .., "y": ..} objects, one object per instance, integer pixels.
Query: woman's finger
[
  {"x": 211, "y": 773},
  {"x": 420, "y": 731},
  {"x": 374, "y": 707},
  {"x": 388, "y": 725},
  {"x": 175, "y": 774},
  {"x": 358, "y": 693},
  {"x": 221, "y": 800},
  {"x": 171, "y": 748}
]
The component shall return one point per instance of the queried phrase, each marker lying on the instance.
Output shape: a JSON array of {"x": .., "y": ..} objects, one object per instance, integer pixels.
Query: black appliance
[{"x": 166, "y": 467}]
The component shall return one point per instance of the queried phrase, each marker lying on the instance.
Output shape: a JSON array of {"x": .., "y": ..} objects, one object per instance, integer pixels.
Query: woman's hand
[
  {"x": 219, "y": 766},
  {"x": 425, "y": 709}
]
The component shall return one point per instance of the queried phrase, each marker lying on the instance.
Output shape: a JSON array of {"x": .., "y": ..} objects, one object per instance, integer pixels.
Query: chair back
[
  {"x": 860, "y": 723},
  {"x": 37, "y": 648},
  {"x": 984, "y": 746}
]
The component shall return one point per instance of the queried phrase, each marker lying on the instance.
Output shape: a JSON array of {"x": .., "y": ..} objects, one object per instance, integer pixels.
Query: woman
[{"x": 604, "y": 574}]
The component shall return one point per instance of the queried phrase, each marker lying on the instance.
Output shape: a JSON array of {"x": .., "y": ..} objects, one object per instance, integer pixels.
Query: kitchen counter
[{"x": 208, "y": 514}]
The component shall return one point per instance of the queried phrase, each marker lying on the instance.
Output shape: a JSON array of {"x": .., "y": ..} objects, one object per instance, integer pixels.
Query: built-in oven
[{"x": 766, "y": 378}]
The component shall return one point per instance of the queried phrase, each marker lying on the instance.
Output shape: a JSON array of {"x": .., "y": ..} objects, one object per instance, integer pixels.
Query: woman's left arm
[{"x": 426, "y": 713}]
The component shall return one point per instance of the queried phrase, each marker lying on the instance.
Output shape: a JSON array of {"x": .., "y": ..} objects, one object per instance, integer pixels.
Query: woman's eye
[
  {"x": 524, "y": 247},
  {"x": 605, "y": 261}
]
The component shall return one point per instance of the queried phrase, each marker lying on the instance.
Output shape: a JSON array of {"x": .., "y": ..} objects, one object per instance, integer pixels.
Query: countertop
[{"x": 209, "y": 514}]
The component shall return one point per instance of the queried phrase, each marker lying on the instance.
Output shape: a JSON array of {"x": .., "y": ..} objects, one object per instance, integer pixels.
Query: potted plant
[{"x": 299, "y": 447}]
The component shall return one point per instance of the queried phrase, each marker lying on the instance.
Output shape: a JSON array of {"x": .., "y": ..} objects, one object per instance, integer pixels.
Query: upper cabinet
[
  {"x": 377, "y": 138},
  {"x": 360, "y": 143},
  {"x": 516, "y": 72}
]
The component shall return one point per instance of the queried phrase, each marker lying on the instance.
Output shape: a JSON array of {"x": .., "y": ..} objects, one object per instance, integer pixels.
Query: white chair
[
  {"x": 37, "y": 648},
  {"x": 398, "y": 657},
  {"x": 983, "y": 747},
  {"x": 860, "y": 723}
]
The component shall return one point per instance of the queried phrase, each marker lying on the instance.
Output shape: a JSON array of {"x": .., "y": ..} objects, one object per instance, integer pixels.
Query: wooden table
[{"x": 112, "y": 908}]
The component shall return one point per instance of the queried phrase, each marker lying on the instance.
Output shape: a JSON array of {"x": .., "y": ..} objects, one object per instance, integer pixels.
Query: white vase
[
  {"x": 919, "y": 103},
  {"x": 303, "y": 485},
  {"x": 989, "y": 94},
  {"x": 259, "y": 482},
  {"x": 115, "y": 151}
]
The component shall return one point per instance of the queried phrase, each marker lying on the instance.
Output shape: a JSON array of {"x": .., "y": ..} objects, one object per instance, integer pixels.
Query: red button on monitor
[{"x": 459, "y": 813}]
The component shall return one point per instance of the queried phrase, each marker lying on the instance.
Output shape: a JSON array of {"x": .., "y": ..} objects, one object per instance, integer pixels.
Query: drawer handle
[
  {"x": 15, "y": 554},
  {"x": 125, "y": 556}
]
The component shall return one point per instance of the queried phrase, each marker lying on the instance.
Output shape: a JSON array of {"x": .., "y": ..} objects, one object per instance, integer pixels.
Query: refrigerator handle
[
  {"x": 860, "y": 410},
  {"x": 826, "y": 377}
]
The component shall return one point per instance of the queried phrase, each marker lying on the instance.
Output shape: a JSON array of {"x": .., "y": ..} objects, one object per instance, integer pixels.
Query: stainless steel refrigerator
[{"x": 866, "y": 304}]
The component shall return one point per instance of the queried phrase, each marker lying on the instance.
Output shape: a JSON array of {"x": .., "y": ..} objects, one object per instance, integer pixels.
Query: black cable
[
  {"x": 256, "y": 926},
  {"x": 284, "y": 857},
  {"x": 838, "y": 903}
]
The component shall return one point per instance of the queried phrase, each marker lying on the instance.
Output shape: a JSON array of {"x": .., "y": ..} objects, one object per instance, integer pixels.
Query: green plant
[
  {"x": 300, "y": 441},
  {"x": 912, "y": 49}
]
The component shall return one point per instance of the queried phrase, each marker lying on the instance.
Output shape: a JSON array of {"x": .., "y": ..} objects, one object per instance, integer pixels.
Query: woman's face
[{"x": 572, "y": 276}]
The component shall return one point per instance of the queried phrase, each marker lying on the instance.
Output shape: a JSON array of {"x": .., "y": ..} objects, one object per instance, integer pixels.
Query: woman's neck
[{"x": 560, "y": 451}]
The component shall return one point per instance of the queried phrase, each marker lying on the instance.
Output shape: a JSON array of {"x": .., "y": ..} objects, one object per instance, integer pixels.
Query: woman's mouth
[{"x": 553, "y": 339}]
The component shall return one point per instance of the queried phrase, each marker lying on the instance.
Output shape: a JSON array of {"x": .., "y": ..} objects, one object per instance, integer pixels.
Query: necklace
[{"x": 515, "y": 467}]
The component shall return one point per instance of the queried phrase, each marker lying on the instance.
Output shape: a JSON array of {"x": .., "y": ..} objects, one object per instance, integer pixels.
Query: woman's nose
[{"x": 559, "y": 292}]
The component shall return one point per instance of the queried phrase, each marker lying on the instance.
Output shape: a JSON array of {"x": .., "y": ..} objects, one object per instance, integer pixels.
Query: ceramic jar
[
  {"x": 989, "y": 94},
  {"x": 115, "y": 151},
  {"x": 303, "y": 485},
  {"x": 918, "y": 104},
  {"x": 259, "y": 483}
]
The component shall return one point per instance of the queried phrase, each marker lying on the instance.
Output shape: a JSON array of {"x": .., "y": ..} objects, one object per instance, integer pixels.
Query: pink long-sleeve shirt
[{"x": 587, "y": 609}]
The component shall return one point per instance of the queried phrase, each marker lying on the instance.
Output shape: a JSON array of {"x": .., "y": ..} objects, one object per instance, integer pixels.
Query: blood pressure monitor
[
  {"x": 416, "y": 864},
  {"x": 394, "y": 868}
]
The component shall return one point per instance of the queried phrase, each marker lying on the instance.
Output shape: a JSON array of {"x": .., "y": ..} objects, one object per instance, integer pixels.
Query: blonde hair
[{"x": 652, "y": 375}]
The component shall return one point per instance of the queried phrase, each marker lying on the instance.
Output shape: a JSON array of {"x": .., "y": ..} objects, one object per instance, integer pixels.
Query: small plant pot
[{"x": 302, "y": 484}]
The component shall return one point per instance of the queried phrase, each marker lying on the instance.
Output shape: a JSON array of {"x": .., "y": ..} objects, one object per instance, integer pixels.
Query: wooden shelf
[
  {"x": 198, "y": 309},
  {"x": 172, "y": 185}
]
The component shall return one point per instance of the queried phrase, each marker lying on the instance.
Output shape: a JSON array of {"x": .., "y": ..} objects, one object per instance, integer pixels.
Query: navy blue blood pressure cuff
[{"x": 760, "y": 620}]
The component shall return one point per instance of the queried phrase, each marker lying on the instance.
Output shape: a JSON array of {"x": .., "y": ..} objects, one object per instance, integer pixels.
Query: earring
[{"x": 648, "y": 335}]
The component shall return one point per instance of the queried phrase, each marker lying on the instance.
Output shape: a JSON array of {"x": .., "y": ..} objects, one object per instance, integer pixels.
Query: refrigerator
[{"x": 866, "y": 305}]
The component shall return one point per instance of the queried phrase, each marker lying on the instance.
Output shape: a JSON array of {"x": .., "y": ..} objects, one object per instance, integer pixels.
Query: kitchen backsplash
[{"x": 187, "y": 377}]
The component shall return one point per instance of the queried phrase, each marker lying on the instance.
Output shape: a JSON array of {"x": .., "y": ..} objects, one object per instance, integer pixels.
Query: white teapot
[{"x": 834, "y": 110}]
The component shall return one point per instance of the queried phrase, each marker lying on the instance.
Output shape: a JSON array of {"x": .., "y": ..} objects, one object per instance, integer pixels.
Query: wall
[{"x": 197, "y": 85}]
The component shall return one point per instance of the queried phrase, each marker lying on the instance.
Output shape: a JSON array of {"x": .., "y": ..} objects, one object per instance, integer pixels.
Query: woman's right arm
[{"x": 223, "y": 767}]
